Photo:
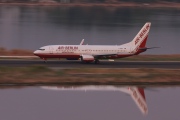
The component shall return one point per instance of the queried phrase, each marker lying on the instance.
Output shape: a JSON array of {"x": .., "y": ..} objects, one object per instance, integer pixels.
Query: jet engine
[{"x": 87, "y": 58}]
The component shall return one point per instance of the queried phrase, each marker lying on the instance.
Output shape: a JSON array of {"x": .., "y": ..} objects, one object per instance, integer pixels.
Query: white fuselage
[{"x": 78, "y": 50}]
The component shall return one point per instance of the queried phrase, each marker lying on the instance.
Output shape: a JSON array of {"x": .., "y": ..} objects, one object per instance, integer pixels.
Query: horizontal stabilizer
[{"x": 148, "y": 48}]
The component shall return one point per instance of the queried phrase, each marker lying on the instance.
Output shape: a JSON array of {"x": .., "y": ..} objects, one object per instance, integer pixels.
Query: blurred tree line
[
  {"x": 92, "y": 1},
  {"x": 117, "y": 1}
]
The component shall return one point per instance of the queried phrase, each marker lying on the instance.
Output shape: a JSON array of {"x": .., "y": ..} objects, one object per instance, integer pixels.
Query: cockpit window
[{"x": 41, "y": 49}]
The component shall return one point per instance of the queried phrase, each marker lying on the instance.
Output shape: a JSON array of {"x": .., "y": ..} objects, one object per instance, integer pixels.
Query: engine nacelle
[
  {"x": 87, "y": 58},
  {"x": 72, "y": 58}
]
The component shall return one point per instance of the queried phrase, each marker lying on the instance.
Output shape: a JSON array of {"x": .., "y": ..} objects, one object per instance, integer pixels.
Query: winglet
[{"x": 82, "y": 42}]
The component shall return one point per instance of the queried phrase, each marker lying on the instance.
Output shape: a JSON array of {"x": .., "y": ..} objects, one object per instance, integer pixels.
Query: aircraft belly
[
  {"x": 123, "y": 55},
  {"x": 59, "y": 55}
]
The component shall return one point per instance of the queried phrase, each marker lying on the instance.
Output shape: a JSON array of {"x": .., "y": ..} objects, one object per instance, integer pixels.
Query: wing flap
[{"x": 101, "y": 55}]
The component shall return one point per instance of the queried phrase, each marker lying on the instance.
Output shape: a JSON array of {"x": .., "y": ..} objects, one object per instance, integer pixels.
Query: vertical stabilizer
[{"x": 140, "y": 39}]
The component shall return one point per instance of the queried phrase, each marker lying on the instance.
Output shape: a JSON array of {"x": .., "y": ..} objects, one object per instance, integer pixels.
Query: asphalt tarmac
[{"x": 78, "y": 64}]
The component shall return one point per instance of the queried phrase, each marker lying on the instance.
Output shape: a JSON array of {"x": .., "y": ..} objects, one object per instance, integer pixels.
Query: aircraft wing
[{"x": 104, "y": 55}]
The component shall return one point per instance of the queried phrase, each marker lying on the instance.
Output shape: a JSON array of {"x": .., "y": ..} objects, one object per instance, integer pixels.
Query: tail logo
[{"x": 141, "y": 35}]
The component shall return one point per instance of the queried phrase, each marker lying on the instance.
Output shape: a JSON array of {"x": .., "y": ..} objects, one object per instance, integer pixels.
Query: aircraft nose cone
[{"x": 35, "y": 52}]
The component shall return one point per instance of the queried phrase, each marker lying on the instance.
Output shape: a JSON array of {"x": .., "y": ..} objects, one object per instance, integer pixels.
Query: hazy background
[{"x": 30, "y": 27}]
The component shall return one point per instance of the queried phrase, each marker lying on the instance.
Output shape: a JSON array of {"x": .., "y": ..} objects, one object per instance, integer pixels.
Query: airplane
[
  {"x": 136, "y": 93},
  {"x": 92, "y": 53}
]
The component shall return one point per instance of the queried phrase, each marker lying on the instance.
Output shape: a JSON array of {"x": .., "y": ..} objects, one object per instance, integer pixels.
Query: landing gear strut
[
  {"x": 82, "y": 59},
  {"x": 96, "y": 61},
  {"x": 44, "y": 60}
]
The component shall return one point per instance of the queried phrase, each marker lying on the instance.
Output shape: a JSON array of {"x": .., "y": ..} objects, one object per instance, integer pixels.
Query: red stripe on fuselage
[
  {"x": 57, "y": 56},
  {"x": 123, "y": 56},
  {"x": 78, "y": 56}
]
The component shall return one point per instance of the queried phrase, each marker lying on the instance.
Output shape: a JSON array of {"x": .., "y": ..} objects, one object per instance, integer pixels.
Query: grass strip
[{"x": 88, "y": 76}]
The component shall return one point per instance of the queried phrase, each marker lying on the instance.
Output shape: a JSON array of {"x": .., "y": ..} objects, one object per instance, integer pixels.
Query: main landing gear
[{"x": 96, "y": 61}]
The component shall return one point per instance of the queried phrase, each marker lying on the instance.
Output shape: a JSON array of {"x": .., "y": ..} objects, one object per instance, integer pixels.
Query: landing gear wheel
[
  {"x": 82, "y": 61},
  {"x": 96, "y": 61},
  {"x": 44, "y": 60}
]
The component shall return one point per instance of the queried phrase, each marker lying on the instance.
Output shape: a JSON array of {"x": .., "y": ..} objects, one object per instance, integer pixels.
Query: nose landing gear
[{"x": 45, "y": 60}]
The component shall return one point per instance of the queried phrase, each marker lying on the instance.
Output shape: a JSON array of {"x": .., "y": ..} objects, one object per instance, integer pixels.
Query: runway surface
[{"x": 78, "y": 64}]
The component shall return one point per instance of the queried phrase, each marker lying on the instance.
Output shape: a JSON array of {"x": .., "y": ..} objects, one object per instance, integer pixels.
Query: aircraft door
[{"x": 51, "y": 50}]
